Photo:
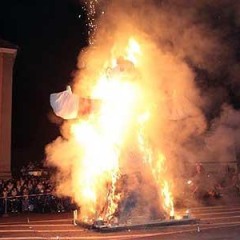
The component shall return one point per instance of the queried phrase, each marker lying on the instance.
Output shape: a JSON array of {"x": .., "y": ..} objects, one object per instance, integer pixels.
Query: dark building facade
[{"x": 7, "y": 58}]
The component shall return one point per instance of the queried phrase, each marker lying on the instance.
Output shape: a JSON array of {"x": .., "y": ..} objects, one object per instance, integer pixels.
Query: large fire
[
  {"x": 112, "y": 134},
  {"x": 137, "y": 116}
]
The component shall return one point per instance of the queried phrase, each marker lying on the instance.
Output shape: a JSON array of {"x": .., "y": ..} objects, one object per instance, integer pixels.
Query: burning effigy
[
  {"x": 116, "y": 156},
  {"x": 115, "y": 151}
]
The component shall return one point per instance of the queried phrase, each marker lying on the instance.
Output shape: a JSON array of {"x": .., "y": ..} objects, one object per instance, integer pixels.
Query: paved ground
[{"x": 218, "y": 222}]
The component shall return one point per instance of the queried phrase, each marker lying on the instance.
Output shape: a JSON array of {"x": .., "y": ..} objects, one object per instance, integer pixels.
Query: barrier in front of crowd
[{"x": 42, "y": 202}]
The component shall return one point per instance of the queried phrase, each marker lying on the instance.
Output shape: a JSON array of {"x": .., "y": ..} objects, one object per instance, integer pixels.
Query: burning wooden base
[{"x": 100, "y": 226}]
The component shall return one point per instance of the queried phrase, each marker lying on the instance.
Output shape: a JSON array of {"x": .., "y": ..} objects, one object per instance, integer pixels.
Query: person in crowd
[
  {"x": 25, "y": 200},
  {"x": 14, "y": 201},
  {"x": 29, "y": 193}
]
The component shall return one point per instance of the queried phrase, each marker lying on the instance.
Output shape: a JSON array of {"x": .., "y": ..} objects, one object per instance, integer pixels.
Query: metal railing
[{"x": 42, "y": 202}]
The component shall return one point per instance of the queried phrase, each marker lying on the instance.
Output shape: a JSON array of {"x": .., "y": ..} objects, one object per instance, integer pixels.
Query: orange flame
[
  {"x": 158, "y": 168},
  {"x": 101, "y": 138},
  {"x": 133, "y": 51},
  {"x": 168, "y": 198}
]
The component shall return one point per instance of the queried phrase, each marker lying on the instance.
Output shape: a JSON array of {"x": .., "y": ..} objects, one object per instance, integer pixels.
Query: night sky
[{"x": 49, "y": 34}]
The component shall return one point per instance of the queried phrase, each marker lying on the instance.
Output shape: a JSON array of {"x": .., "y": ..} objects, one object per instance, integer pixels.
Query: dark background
[{"x": 49, "y": 35}]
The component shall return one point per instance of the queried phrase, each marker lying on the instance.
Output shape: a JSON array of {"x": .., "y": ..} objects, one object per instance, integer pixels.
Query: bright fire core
[{"x": 113, "y": 142}]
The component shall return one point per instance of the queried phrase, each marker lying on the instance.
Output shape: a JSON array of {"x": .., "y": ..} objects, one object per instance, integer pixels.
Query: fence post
[
  {"x": 5, "y": 208},
  {"x": 75, "y": 217}
]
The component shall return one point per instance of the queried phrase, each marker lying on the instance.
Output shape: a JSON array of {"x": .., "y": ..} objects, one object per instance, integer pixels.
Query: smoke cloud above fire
[{"x": 188, "y": 73}]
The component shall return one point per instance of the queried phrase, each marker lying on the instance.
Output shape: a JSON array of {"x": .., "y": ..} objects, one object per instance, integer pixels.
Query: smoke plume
[{"x": 189, "y": 73}]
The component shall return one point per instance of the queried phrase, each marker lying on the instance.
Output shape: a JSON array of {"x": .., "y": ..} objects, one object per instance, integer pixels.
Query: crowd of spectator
[
  {"x": 232, "y": 179},
  {"x": 210, "y": 184},
  {"x": 32, "y": 191}
]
